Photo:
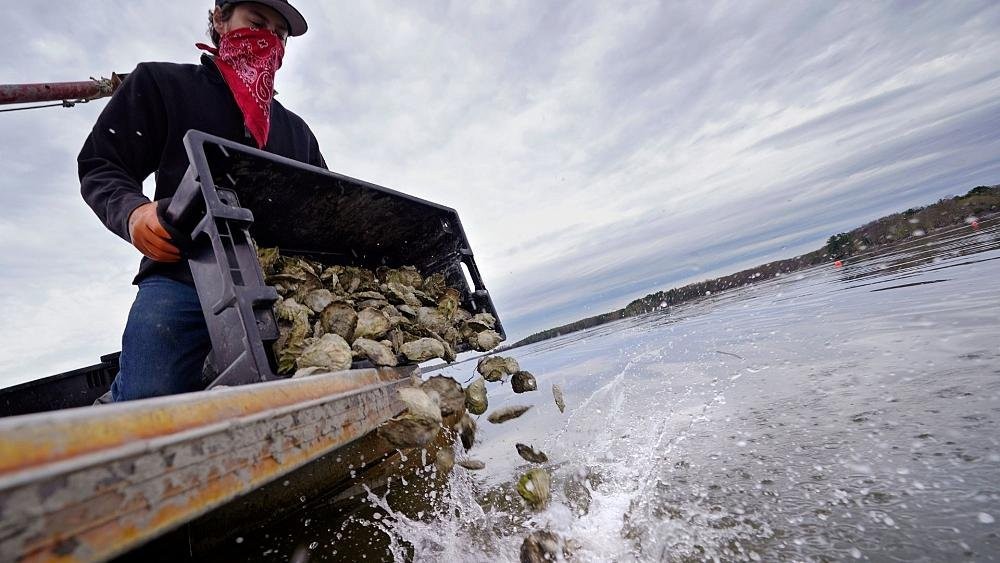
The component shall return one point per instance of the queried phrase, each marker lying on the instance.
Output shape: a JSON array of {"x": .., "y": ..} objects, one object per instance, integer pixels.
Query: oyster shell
[
  {"x": 432, "y": 319},
  {"x": 493, "y": 368},
  {"x": 378, "y": 353},
  {"x": 528, "y": 453},
  {"x": 330, "y": 352},
  {"x": 543, "y": 546},
  {"x": 433, "y": 285},
  {"x": 444, "y": 460},
  {"x": 372, "y": 324},
  {"x": 471, "y": 464},
  {"x": 557, "y": 394},
  {"x": 450, "y": 392},
  {"x": 486, "y": 319},
  {"x": 504, "y": 414},
  {"x": 535, "y": 487},
  {"x": 268, "y": 258},
  {"x": 339, "y": 318},
  {"x": 306, "y": 372},
  {"x": 418, "y": 424},
  {"x": 522, "y": 382},
  {"x": 448, "y": 301},
  {"x": 475, "y": 396},
  {"x": 485, "y": 341},
  {"x": 317, "y": 299},
  {"x": 466, "y": 431},
  {"x": 422, "y": 349},
  {"x": 402, "y": 294}
]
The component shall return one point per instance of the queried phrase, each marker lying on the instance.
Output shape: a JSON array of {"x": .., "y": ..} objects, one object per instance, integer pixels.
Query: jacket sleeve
[
  {"x": 315, "y": 157},
  {"x": 124, "y": 148}
]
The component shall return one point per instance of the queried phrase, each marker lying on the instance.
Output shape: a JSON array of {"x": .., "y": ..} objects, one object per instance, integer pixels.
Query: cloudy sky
[{"x": 596, "y": 151}]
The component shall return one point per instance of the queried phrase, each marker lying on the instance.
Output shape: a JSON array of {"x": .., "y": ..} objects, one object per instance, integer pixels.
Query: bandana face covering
[{"x": 248, "y": 59}]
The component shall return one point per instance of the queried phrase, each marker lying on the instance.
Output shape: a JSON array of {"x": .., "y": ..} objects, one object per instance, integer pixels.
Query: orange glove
[{"x": 149, "y": 236}]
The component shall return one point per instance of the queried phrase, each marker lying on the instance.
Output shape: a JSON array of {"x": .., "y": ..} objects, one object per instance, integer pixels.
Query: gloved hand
[{"x": 149, "y": 236}]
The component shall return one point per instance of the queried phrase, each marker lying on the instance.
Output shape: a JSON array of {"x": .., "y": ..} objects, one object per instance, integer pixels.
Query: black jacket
[{"x": 141, "y": 131}]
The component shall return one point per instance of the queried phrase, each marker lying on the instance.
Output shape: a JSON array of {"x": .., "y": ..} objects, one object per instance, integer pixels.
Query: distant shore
[{"x": 875, "y": 236}]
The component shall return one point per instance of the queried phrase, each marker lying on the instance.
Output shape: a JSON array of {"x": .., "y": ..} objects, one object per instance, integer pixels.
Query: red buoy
[{"x": 838, "y": 263}]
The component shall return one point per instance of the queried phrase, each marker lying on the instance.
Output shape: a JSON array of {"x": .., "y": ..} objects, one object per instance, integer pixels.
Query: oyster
[
  {"x": 268, "y": 259},
  {"x": 511, "y": 364},
  {"x": 372, "y": 324},
  {"x": 378, "y": 353},
  {"x": 448, "y": 301},
  {"x": 467, "y": 431},
  {"x": 432, "y": 319},
  {"x": 418, "y": 424},
  {"x": 475, "y": 396},
  {"x": 433, "y": 285},
  {"x": 507, "y": 413},
  {"x": 486, "y": 319},
  {"x": 471, "y": 464},
  {"x": 450, "y": 392},
  {"x": 339, "y": 318},
  {"x": 330, "y": 352},
  {"x": 542, "y": 546},
  {"x": 306, "y": 372},
  {"x": 534, "y": 487},
  {"x": 531, "y": 454},
  {"x": 493, "y": 368},
  {"x": 557, "y": 394},
  {"x": 444, "y": 460},
  {"x": 317, "y": 299},
  {"x": 422, "y": 349},
  {"x": 485, "y": 341},
  {"x": 402, "y": 294},
  {"x": 522, "y": 382}
]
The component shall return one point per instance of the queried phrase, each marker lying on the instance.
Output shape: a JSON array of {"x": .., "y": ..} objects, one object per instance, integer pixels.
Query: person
[{"x": 229, "y": 94}]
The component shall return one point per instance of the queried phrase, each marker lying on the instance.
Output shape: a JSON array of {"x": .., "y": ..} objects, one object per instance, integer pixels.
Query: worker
[{"x": 229, "y": 94}]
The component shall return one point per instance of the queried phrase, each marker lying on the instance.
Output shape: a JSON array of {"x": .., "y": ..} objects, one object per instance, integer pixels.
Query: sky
[{"x": 596, "y": 151}]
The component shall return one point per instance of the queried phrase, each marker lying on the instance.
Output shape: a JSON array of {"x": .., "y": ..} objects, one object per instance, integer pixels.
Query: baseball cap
[{"x": 296, "y": 23}]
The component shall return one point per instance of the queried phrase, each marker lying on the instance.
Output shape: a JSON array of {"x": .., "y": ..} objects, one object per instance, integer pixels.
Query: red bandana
[{"x": 248, "y": 59}]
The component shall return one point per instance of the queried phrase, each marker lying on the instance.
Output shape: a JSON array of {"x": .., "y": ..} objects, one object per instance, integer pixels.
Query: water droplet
[
  {"x": 985, "y": 518},
  {"x": 855, "y": 553},
  {"x": 239, "y": 539},
  {"x": 314, "y": 545}
]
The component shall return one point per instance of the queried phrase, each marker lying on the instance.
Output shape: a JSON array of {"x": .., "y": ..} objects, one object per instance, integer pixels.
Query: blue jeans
[{"x": 165, "y": 342}]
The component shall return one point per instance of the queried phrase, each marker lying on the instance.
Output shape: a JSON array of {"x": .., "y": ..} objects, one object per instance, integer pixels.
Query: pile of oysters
[{"x": 330, "y": 316}]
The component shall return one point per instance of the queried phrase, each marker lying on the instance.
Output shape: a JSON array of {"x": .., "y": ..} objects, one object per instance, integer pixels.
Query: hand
[{"x": 149, "y": 236}]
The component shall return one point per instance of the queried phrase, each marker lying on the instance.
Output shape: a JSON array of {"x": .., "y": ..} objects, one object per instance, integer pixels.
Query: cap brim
[{"x": 296, "y": 23}]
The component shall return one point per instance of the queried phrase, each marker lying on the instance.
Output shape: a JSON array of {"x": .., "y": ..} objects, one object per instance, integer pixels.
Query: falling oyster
[
  {"x": 507, "y": 413},
  {"x": 541, "y": 546},
  {"x": 422, "y": 349},
  {"x": 471, "y": 464},
  {"x": 330, "y": 352},
  {"x": 493, "y": 368},
  {"x": 485, "y": 341},
  {"x": 418, "y": 424},
  {"x": 557, "y": 394},
  {"x": 531, "y": 454},
  {"x": 475, "y": 396},
  {"x": 378, "y": 353},
  {"x": 522, "y": 382},
  {"x": 467, "y": 431},
  {"x": 534, "y": 487},
  {"x": 444, "y": 460},
  {"x": 451, "y": 394},
  {"x": 511, "y": 364},
  {"x": 372, "y": 324}
]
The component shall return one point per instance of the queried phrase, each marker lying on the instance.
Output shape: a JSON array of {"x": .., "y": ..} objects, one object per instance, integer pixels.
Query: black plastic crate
[
  {"x": 76, "y": 388},
  {"x": 232, "y": 193}
]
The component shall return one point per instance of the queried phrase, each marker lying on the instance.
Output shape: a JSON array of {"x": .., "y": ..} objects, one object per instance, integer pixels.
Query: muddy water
[{"x": 832, "y": 414}]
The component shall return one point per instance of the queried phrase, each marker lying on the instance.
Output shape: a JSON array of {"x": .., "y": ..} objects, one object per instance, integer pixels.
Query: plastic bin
[{"x": 233, "y": 194}]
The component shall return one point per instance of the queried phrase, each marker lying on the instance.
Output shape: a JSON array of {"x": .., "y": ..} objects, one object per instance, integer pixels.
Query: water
[{"x": 830, "y": 414}]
